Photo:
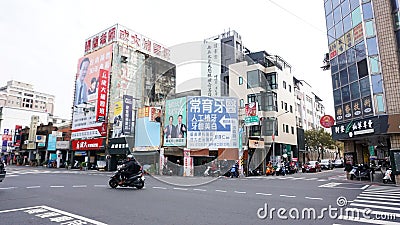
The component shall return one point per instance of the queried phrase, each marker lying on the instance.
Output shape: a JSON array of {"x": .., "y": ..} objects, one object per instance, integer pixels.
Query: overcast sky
[{"x": 42, "y": 40}]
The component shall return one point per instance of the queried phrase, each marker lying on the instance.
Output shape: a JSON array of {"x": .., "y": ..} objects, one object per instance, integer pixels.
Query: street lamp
[{"x": 273, "y": 134}]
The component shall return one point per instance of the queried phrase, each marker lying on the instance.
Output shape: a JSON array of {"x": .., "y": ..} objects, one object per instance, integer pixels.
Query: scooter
[
  {"x": 389, "y": 177},
  {"x": 280, "y": 170},
  {"x": 234, "y": 172},
  {"x": 270, "y": 171},
  {"x": 167, "y": 171},
  {"x": 210, "y": 172},
  {"x": 136, "y": 180},
  {"x": 360, "y": 172}
]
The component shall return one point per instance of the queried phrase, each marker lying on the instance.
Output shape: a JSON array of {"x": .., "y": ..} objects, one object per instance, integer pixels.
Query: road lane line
[
  {"x": 7, "y": 188},
  {"x": 313, "y": 178},
  {"x": 196, "y": 189},
  {"x": 163, "y": 188},
  {"x": 322, "y": 180},
  {"x": 220, "y": 191},
  {"x": 79, "y": 186},
  {"x": 182, "y": 189},
  {"x": 265, "y": 194},
  {"x": 376, "y": 202},
  {"x": 313, "y": 198},
  {"x": 380, "y": 195},
  {"x": 33, "y": 187},
  {"x": 288, "y": 196},
  {"x": 382, "y": 199},
  {"x": 100, "y": 185},
  {"x": 57, "y": 186},
  {"x": 240, "y": 192}
]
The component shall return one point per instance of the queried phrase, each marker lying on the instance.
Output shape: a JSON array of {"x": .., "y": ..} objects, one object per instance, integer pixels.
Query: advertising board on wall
[
  {"x": 175, "y": 129},
  {"x": 91, "y": 93},
  {"x": 89, "y": 144},
  {"x": 211, "y": 69},
  {"x": 212, "y": 122}
]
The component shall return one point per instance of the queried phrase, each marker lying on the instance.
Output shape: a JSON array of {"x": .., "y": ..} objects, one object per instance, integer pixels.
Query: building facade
[
  {"x": 363, "y": 39},
  {"x": 265, "y": 80}
]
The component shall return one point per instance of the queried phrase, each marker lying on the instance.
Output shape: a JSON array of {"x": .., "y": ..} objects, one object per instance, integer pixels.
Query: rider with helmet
[{"x": 130, "y": 167}]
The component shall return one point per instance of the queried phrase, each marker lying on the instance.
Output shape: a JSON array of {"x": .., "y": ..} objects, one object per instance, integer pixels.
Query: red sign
[
  {"x": 89, "y": 144},
  {"x": 251, "y": 109},
  {"x": 90, "y": 132},
  {"x": 102, "y": 95},
  {"x": 327, "y": 121}
]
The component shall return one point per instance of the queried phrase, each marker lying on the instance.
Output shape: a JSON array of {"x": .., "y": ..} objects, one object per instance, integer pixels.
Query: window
[
  {"x": 345, "y": 7},
  {"x": 353, "y": 74},
  {"x": 372, "y": 46},
  {"x": 241, "y": 103},
  {"x": 374, "y": 64},
  {"x": 331, "y": 35},
  {"x": 284, "y": 84},
  {"x": 344, "y": 79},
  {"x": 364, "y": 87},
  {"x": 347, "y": 25},
  {"x": 339, "y": 29},
  {"x": 292, "y": 128},
  {"x": 396, "y": 20},
  {"x": 328, "y": 7},
  {"x": 253, "y": 79},
  {"x": 337, "y": 15},
  {"x": 290, "y": 88},
  {"x": 282, "y": 104},
  {"x": 345, "y": 93},
  {"x": 362, "y": 68},
  {"x": 356, "y": 16},
  {"x": 367, "y": 11},
  {"x": 379, "y": 104},
  {"x": 355, "y": 90},
  {"x": 251, "y": 98},
  {"x": 335, "y": 81},
  {"x": 285, "y": 106},
  {"x": 369, "y": 28},
  {"x": 360, "y": 51},
  {"x": 351, "y": 56},
  {"x": 291, "y": 108},
  {"x": 337, "y": 97},
  {"x": 329, "y": 21},
  {"x": 287, "y": 128},
  {"x": 267, "y": 101},
  {"x": 342, "y": 61},
  {"x": 376, "y": 84},
  {"x": 335, "y": 3},
  {"x": 240, "y": 80}
]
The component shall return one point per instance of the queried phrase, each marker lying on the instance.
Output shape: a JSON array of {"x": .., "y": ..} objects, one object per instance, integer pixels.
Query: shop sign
[
  {"x": 256, "y": 144},
  {"x": 89, "y": 144},
  {"x": 327, "y": 121},
  {"x": 251, "y": 120},
  {"x": 62, "y": 145},
  {"x": 356, "y": 128}
]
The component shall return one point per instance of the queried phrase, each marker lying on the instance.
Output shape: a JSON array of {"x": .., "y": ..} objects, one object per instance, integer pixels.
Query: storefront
[{"x": 86, "y": 152}]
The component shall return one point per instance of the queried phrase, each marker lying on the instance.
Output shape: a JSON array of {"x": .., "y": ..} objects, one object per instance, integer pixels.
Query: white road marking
[
  {"x": 363, "y": 220},
  {"x": 298, "y": 178},
  {"x": 382, "y": 199},
  {"x": 263, "y": 194},
  {"x": 33, "y": 187},
  {"x": 374, "y": 206},
  {"x": 240, "y": 192},
  {"x": 7, "y": 188},
  {"x": 313, "y": 178},
  {"x": 322, "y": 180},
  {"x": 100, "y": 185},
  {"x": 288, "y": 196},
  {"x": 183, "y": 189},
  {"x": 365, "y": 187},
  {"x": 375, "y": 202},
  {"x": 79, "y": 186},
  {"x": 220, "y": 191},
  {"x": 164, "y": 188},
  {"x": 380, "y": 195},
  {"x": 196, "y": 189},
  {"x": 384, "y": 192},
  {"x": 313, "y": 198},
  {"x": 56, "y": 186}
]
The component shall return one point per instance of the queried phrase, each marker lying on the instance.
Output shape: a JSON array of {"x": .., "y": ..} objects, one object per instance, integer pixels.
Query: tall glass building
[{"x": 363, "y": 38}]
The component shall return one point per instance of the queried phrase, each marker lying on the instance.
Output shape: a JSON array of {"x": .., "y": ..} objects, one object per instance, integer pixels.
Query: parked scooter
[
  {"x": 280, "y": 170},
  {"x": 269, "y": 171},
  {"x": 167, "y": 171},
  {"x": 389, "y": 176},
  {"x": 360, "y": 172},
  {"x": 210, "y": 172}
]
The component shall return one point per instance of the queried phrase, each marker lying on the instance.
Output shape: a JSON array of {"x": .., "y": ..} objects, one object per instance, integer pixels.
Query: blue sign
[
  {"x": 212, "y": 122},
  {"x": 51, "y": 143}
]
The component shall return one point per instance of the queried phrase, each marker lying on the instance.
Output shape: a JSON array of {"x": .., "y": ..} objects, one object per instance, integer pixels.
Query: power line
[{"x": 337, "y": 39}]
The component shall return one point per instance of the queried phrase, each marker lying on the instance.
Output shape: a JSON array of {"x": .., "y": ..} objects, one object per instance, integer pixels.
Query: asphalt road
[{"x": 58, "y": 196}]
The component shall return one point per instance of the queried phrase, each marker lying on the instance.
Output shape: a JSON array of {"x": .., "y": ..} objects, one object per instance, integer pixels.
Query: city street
[{"x": 31, "y": 195}]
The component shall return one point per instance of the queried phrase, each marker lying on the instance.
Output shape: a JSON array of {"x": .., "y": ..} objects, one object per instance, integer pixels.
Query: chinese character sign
[
  {"x": 175, "y": 127},
  {"x": 211, "y": 69},
  {"x": 18, "y": 131},
  {"x": 212, "y": 122},
  {"x": 127, "y": 114},
  {"x": 102, "y": 96}
]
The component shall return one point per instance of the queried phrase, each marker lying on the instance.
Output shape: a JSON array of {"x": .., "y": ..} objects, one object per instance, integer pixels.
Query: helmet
[{"x": 130, "y": 157}]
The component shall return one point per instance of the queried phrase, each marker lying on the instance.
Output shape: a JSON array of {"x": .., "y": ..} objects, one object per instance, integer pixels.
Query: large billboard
[
  {"x": 91, "y": 93},
  {"x": 213, "y": 122},
  {"x": 175, "y": 122},
  {"x": 211, "y": 69}
]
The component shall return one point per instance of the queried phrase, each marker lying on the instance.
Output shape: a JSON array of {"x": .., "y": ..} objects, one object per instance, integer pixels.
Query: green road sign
[{"x": 251, "y": 120}]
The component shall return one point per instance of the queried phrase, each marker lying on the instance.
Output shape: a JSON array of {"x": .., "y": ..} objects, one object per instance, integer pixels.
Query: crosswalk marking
[{"x": 330, "y": 185}]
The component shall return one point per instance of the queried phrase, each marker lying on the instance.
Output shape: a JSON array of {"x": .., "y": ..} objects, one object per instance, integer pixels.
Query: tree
[{"x": 318, "y": 140}]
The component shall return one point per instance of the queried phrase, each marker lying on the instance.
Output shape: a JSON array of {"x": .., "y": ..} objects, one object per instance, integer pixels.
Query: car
[
  {"x": 311, "y": 166},
  {"x": 2, "y": 171},
  {"x": 338, "y": 163},
  {"x": 326, "y": 164}
]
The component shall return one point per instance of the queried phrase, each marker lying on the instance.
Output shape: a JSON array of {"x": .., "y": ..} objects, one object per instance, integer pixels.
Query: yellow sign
[{"x": 256, "y": 144}]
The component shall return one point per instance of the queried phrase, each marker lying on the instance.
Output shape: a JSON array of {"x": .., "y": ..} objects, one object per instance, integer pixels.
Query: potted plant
[{"x": 83, "y": 165}]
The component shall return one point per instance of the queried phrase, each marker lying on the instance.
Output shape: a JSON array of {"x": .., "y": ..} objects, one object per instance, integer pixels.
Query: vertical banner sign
[
  {"x": 102, "y": 95},
  {"x": 17, "y": 140},
  {"x": 212, "y": 122},
  {"x": 127, "y": 114},
  {"x": 211, "y": 69},
  {"x": 52, "y": 142},
  {"x": 187, "y": 163},
  {"x": 175, "y": 128}
]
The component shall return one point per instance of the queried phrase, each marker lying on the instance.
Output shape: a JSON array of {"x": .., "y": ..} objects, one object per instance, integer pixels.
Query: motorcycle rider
[{"x": 129, "y": 168}]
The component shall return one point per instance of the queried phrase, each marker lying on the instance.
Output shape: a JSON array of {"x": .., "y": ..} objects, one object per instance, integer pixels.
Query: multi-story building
[
  {"x": 364, "y": 39},
  {"x": 21, "y": 95},
  {"x": 120, "y": 72},
  {"x": 266, "y": 80}
]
